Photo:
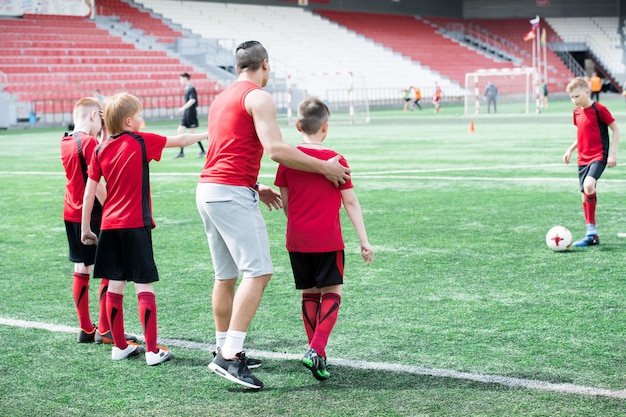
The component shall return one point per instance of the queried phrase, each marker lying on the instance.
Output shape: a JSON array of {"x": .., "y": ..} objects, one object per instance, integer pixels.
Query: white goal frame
[
  {"x": 474, "y": 92},
  {"x": 337, "y": 91}
]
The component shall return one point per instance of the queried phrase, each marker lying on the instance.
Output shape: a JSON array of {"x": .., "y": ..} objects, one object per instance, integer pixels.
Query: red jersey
[
  {"x": 123, "y": 162},
  {"x": 313, "y": 207},
  {"x": 235, "y": 152},
  {"x": 76, "y": 152},
  {"x": 593, "y": 133}
]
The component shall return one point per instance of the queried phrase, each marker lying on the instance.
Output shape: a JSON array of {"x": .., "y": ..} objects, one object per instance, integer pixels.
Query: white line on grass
[
  {"x": 408, "y": 175},
  {"x": 375, "y": 366}
]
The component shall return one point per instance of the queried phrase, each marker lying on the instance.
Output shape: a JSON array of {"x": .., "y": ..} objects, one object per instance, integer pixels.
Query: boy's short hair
[
  {"x": 185, "y": 75},
  {"x": 576, "y": 83},
  {"x": 312, "y": 114},
  {"x": 84, "y": 106},
  {"x": 249, "y": 55},
  {"x": 117, "y": 108}
]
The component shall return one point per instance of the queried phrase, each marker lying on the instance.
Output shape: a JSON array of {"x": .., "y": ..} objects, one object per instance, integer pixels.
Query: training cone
[{"x": 471, "y": 129}]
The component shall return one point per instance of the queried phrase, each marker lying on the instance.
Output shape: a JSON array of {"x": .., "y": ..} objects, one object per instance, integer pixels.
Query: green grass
[{"x": 461, "y": 281}]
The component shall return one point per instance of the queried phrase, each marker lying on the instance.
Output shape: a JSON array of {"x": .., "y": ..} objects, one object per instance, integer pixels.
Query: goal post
[
  {"x": 517, "y": 89},
  {"x": 344, "y": 93}
]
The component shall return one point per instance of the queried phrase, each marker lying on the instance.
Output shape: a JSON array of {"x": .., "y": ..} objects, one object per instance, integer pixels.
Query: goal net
[
  {"x": 517, "y": 91},
  {"x": 344, "y": 93}
]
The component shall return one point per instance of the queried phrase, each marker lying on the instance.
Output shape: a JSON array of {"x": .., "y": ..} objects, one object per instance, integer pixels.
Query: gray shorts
[{"x": 235, "y": 230}]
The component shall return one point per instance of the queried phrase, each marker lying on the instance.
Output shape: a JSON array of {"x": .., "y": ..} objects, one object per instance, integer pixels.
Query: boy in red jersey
[
  {"x": 243, "y": 125},
  {"x": 595, "y": 152},
  {"x": 314, "y": 240},
  {"x": 124, "y": 251},
  {"x": 76, "y": 151}
]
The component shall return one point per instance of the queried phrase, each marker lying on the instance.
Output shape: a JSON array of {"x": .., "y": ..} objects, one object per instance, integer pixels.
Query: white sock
[
  {"x": 233, "y": 343},
  {"x": 220, "y": 338}
]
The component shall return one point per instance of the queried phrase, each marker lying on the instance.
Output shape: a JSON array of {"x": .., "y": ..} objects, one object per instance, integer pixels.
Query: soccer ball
[{"x": 559, "y": 238}]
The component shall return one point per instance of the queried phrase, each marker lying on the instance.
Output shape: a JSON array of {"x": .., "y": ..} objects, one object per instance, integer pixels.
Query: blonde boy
[
  {"x": 124, "y": 250},
  {"x": 595, "y": 150}
]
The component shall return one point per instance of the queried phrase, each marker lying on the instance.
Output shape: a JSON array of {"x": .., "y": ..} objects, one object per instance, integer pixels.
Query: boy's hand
[
  {"x": 611, "y": 161},
  {"x": 270, "y": 197},
  {"x": 367, "y": 253},
  {"x": 567, "y": 156},
  {"x": 89, "y": 238}
]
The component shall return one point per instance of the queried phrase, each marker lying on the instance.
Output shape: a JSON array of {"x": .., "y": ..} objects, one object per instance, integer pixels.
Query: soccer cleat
[
  {"x": 180, "y": 155},
  {"x": 86, "y": 337},
  {"x": 161, "y": 356},
  {"x": 107, "y": 339},
  {"x": 316, "y": 364},
  {"x": 235, "y": 370},
  {"x": 251, "y": 362},
  {"x": 590, "y": 240},
  {"x": 202, "y": 154},
  {"x": 132, "y": 349}
]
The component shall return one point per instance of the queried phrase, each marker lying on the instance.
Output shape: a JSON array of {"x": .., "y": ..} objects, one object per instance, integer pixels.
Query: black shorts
[
  {"x": 317, "y": 269},
  {"x": 190, "y": 119},
  {"x": 126, "y": 255},
  {"x": 593, "y": 170},
  {"x": 79, "y": 253}
]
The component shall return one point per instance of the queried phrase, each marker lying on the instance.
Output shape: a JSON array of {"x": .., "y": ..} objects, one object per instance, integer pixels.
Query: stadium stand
[
  {"x": 286, "y": 31},
  {"x": 514, "y": 30},
  {"x": 600, "y": 35},
  {"x": 54, "y": 60},
  {"x": 138, "y": 19},
  {"x": 418, "y": 40}
]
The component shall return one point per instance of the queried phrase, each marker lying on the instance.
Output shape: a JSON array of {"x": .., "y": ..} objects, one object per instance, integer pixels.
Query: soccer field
[{"x": 464, "y": 311}]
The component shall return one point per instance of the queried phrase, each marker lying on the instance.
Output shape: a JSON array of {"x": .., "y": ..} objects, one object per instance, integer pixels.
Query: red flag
[{"x": 530, "y": 35}]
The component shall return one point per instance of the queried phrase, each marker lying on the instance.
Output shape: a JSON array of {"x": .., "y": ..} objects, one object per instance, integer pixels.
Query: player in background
[
  {"x": 243, "y": 126},
  {"x": 76, "y": 151},
  {"x": 595, "y": 150},
  {"x": 124, "y": 251},
  {"x": 407, "y": 99},
  {"x": 417, "y": 97},
  {"x": 312, "y": 205},
  {"x": 189, "y": 110},
  {"x": 437, "y": 97}
]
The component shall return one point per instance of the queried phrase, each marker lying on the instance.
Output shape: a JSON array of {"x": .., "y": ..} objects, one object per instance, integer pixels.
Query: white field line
[
  {"x": 375, "y": 366},
  {"x": 399, "y": 174}
]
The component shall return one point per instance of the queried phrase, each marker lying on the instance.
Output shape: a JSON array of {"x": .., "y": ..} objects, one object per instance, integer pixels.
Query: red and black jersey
[
  {"x": 593, "y": 133},
  {"x": 313, "y": 206},
  {"x": 123, "y": 162},
  {"x": 76, "y": 152}
]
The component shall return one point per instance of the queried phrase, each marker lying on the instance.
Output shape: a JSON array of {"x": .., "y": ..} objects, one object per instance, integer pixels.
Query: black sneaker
[
  {"x": 589, "y": 240},
  {"x": 316, "y": 364},
  {"x": 180, "y": 155},
  {"x": 235, "y": 370},
  {"x": 107, "y": 339},
  {"x": 251, "y": 362},
  {"x": 86, "y": 337}
]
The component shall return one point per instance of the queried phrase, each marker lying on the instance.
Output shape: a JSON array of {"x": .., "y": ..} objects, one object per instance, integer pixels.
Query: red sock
[
  {"x": 103, "y": 319},
  {"x": 148, "y": 318},
  {"x": 589, "y": 206},
  {"x": 310, "y": 308},
  {"x": 80, "y": 291},
  {"x": 115, "y": 313},
  {"x": 326, "y": 319}
]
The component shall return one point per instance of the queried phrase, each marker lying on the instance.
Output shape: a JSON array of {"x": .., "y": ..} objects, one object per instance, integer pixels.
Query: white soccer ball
[{"x": 559, "y": 238}]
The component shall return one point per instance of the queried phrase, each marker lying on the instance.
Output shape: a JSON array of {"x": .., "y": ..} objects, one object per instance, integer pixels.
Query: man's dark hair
[
  {"x": 185, "y": 75},
  {"x": 250, "y": 55}
]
